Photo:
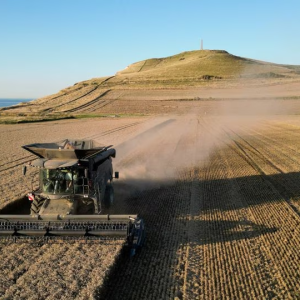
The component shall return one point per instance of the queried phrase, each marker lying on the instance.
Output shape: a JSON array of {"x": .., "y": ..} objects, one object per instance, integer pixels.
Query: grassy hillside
[
  {"x": 192, "y": 69},
  {"x": 201, "y": 64},
  {"x": 188, "y": 64}
]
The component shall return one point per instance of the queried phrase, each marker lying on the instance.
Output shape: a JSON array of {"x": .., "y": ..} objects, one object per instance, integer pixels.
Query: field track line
[
  {"x": 257, "y": 250},
  {"x": 248, "y": 159},
  {"x": 272, "y": 182},
  {"x": 54, "y": 107},
  {"x": 25, "y": 157},
  {"x": 18, "y": 164},
  {"x": 95, "y": 100}
]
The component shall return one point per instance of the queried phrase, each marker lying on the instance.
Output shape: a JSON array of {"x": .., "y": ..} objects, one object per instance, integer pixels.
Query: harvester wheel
[
  {"x": 36, "y": 204},
  {"x": 33, "y": 210}
]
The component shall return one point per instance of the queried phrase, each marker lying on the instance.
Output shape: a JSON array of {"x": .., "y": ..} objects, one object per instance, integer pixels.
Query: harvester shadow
[
  {"x": 170, "y": 226},
  {"x": 159, "y": 259},
  {"x": 19, "y": 207},
  {"x": 211, "y": 232},
  {"x": 249, "y": 191}
]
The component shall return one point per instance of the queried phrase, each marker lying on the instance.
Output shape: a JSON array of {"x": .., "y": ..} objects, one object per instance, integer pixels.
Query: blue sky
[{"x": 46, "y": 46}]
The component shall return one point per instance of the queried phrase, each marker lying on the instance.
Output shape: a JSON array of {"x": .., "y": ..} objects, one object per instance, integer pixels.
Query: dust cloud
[
  {"x": 158, "y": 153},
  {"x": 155, "y": 155}
]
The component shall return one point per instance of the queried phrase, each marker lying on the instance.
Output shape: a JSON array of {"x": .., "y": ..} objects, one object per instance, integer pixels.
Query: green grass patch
[{"x": 15, "y": 120}]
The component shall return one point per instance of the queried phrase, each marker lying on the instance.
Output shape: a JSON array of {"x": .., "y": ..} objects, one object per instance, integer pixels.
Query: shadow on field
[
  {"x": 241, "y": 192},
  {"x": 167, "y": 211},
  {"x": 224, "y": 231},
  {"x": 18, "y": 207}
]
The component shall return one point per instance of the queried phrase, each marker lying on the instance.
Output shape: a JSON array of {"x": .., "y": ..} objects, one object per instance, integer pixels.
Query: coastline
[{"x": 5, "y": 102}]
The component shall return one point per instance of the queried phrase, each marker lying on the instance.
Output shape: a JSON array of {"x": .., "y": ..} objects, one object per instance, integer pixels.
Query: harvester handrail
[{"x": 101, "y": 150}]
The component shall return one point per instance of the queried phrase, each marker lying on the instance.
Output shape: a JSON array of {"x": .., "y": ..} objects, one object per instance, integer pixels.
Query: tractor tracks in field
[
  {"x": 287, "y": 150},
  {"x": 193, "y": 285},
  {"x": 88, "y": 93},
  {"x": 207, "y": 229},
  {"x": 290, "y": 128},
  {"x": 232, "y": 206},
  {"x": 91, "y": 105},
  {"x": 251, "y": 154},
  {"x": 260, "y": 205},
  {"x": 253, "y": 244},
  {"x": 114, "y": 130},
  {"x": 273, "y": 204},
  {"x": 16, "y": 162},
  {"x": 49, "y": 110}
]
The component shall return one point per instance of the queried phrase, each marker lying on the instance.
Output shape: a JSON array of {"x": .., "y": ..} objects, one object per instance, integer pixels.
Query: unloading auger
[{"x": 75, "y": 179}]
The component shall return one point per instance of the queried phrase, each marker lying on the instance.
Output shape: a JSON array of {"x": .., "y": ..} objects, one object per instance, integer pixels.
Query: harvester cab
[{"x": 75, "y": 180}]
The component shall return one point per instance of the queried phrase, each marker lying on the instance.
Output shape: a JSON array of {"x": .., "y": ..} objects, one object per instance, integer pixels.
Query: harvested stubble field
[{"x": 219, "y": 193}]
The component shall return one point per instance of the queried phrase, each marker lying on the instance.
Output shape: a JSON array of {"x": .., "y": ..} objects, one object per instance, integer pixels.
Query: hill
[
  {"x": 194, "y": 68},
  {"x": 138, "y": 88},
  {"x": 203, "y": 64}
]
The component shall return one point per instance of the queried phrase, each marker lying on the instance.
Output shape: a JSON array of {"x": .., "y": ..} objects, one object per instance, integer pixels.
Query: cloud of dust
[
  {"x": 167, "y": 146},
  {"x": 157, "y": 155}
]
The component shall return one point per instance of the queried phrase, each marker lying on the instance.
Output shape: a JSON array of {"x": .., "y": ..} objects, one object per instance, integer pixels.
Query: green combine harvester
[{"x": 75, "y": 179}]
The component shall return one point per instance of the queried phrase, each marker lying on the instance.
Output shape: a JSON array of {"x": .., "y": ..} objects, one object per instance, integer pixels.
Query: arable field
[{"x": 218, "y": 190}]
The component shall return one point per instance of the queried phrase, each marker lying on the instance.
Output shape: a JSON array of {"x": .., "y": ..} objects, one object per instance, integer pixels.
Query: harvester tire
[
  {"x": 33, "y": 210},
  {"x": 36, "y": 205}
]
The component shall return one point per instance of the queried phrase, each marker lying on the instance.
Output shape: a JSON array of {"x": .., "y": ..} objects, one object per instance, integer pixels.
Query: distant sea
[{"x": 9, "y": 102}]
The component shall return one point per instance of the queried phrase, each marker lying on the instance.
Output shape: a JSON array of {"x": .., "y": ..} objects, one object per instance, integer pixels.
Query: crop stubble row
[{"x": 56, "y": 270}]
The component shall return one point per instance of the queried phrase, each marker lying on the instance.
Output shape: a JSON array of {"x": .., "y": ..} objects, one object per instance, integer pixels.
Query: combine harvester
[{"x": 75, "y": 179}]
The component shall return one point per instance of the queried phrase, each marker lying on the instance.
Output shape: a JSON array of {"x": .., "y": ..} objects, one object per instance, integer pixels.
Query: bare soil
[{"x": 217, "y": 186}]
